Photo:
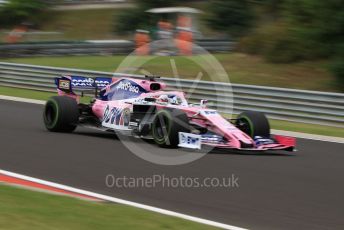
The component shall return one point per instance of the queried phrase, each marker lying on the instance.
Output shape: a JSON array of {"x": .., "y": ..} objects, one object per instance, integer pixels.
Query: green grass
[
  {"x": 241, "y": 68},
  {"x": 32, "y": 94},
  {"x": 275, "y": 124},
  {"x": 25, "y": 209},
  {"x": 307, "y": 128}
]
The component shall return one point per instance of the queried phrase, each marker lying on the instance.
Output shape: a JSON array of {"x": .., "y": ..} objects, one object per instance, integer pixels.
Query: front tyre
[
  {"x": 253, "y": 124},
  {"x": 166, "y": 126},
  {"x": 61, "y": 114}
]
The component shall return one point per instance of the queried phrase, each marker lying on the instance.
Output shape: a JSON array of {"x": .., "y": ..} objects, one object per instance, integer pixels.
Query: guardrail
[
  {"x": 278, "y": 103},
  {"x": 66, "y": 48},
  {"x": 94, "y": 47}
]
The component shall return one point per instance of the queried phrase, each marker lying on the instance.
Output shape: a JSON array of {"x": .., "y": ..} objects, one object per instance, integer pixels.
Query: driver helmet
[
  {"x": 174, "y": 100},
  {"x": 163, "y": 99}
]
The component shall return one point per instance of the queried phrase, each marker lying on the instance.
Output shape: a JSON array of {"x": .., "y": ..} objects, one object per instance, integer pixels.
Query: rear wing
[{"x": 67, "y": 84}]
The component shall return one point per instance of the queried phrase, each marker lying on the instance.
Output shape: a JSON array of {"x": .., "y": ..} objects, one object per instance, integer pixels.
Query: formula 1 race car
[{"x": 141, "y": 108}]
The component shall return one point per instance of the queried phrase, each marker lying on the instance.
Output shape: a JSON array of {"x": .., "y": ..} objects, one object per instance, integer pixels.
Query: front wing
[{"x": 276, "y": 142}]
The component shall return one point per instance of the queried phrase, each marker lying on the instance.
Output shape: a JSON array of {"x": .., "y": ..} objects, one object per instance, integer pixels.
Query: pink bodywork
[{"x": 213, "y": 122}]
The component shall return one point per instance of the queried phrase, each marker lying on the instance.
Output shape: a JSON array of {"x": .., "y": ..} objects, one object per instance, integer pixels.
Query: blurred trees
[
  {"x": 286, "y": 30},
  {"x": 270, "y": 8},
  {"x": 318, "y": 22},
  {"x": 319, "y": 28},
  {"x": 280, "y": 30},
  {"x": 132, "y": 19},
  {"x": 234, "y": 17},
  {"x": 337, "y": 67},
  {"x": 17, "y": 11}
]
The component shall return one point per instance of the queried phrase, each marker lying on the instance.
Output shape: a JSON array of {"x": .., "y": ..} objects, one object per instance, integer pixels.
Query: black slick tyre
[
  {"x": 166, "y": 126},
  {"x": 61, "y": 114},
  {"x": 254, "y": 124}
]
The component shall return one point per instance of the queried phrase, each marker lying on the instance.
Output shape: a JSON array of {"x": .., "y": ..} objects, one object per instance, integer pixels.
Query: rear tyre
[
  {"x": 253, "y": 124},
  {"x": 166, "y": 126},
  {"x": 61, "y": 114}
]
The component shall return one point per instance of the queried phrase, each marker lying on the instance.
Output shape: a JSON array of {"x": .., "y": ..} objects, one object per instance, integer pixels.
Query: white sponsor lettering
[
  {"x": 101, "y": 83},
  {"x": 128, "y": 87},
  {"x": 208, "y": 112},
  {"x": 189, "y": 140},
  {"x": 83, "y": 82},
  {"x": 116, "y": 118}
]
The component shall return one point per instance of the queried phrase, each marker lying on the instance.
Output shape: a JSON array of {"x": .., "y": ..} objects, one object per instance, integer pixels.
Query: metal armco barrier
[
  {"x": 94, "y": 48},
  {"x": 278, "y": 103},
  {"x": 66, "y": 48}
]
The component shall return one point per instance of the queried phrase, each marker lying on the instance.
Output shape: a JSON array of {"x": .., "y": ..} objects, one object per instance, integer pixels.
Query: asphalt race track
[{"x": 302, "y": 190}]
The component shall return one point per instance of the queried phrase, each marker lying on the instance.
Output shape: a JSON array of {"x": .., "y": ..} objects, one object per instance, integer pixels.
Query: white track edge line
[
  {"x": 21, "y": 99},
  {"x": 274, "y": 131},
  {"x": 122, "y": 201}
]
